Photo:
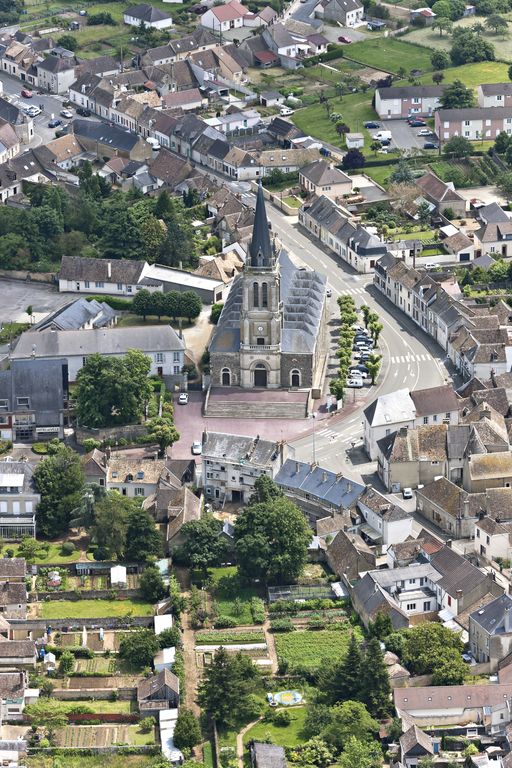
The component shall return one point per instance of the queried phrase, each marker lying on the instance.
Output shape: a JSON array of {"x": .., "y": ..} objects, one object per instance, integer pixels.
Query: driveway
[{"x": 332, "y": 33}]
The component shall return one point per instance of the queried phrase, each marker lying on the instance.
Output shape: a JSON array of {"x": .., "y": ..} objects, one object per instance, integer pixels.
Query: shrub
[
  {"x": 282, "y": 625},
  {"x": 215, "y": 313},
  {"x": 146, "y": 724},
  {"x": 113, "y": 301},
  {"x": 258, "y": 610},
  {"x": 282, "y": 718},
  {"x": 5, "y": 445},
  {"x": 67, "y": 548},
  {"x": 89, "y": 444},
  {"x": 40, "y": 448},
  {"x": 225, "y": 622}
]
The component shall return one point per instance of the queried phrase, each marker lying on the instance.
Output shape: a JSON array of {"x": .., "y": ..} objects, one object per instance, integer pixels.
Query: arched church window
[
  {"x": 264, "y": 295},
  {"x": 295, "y": 378},
  {"x": 255, "y": 295}
]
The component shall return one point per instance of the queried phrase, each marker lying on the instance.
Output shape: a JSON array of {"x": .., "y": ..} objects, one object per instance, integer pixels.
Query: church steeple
[{"x": 260, "y": 248}]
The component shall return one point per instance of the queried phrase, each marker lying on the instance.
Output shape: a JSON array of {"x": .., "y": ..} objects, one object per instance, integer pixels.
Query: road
[
  {"x": 51, "y": 107},
  {"x": 410, "y": 358}
]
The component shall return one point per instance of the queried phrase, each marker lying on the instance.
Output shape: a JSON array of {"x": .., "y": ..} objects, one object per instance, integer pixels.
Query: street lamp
[{"x": 313, "y": 416}]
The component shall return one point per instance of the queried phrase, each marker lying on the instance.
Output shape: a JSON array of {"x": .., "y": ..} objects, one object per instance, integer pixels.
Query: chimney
[
  {"x": 458, "y": 594},
  {"x": 324, "y": 477},
  {"x": 481, "y": 514},
  {"x": 109, "y": 269},
  {"x": 349, "y": 487},
  {"x": 448, "y": 543},
  {"x": 485, "y": 413},
  {"x": 403, "y": 431},
  {"x": 465, "y": 511},
  {"x": 297, "y": 467}
]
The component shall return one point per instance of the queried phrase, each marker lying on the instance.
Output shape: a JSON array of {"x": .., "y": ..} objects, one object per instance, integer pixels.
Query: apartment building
[
  {"x": 473, "y": 123},
  {"x": 404, "y": 101}
]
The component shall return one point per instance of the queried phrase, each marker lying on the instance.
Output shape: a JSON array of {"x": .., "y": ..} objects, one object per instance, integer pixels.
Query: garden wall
[
  {"x": 104, "y": 717},
  {"x": 113, "y": 622},
  {"x": 23, "y": 274},
  {"x": 86, "y": 594},
  {"x": 129, "y": 432}
]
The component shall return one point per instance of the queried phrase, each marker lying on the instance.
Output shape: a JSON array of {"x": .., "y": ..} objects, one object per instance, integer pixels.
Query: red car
[
  {"x": 26, "y": 93},
  {"x": 343, "y": 39}
]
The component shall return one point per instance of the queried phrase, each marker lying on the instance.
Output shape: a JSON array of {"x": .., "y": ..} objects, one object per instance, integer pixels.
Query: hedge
[{"x": 113, "y": 301}]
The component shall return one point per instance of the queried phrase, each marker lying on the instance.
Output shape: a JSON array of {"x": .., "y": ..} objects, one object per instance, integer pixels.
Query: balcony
[{"x": 260, "y": 347}]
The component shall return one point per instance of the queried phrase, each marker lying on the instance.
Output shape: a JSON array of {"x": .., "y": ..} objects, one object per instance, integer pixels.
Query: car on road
[
  {"x": 183, "y": 398},
  {"x": 197, "y": 448},
  {"x": 33, "y": 111},
  {"x": 26, "y": 93},
  {"x": 285, "y": 111},
  {"x": 371, "y": 124},
  {"x": 54, "y": 123},
  {"x": 355, "y": 383},
  {"x": 66, "y": 113},
  {"x": 416, "y": 122},
  {"x": 344, "y": 39},
  {"x": 83, "y": 112},
  {"x": 431, "y": 265},
  {"x": 430, "y": 145},
  {"x": 407, "y": 493}
]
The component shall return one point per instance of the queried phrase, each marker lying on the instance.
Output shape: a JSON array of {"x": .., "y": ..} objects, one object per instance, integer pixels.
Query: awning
[{"x": 371, "y": 533}]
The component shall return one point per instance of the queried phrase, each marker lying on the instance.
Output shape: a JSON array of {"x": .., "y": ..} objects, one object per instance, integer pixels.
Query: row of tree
[{"x": 173, "y": 304}]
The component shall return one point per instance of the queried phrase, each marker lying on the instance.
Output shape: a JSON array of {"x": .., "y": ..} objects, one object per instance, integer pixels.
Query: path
[
  {"x": 240, "y": 741},
  {"x": 269, "y": 637},
  {"x": 189, "y": 655}
]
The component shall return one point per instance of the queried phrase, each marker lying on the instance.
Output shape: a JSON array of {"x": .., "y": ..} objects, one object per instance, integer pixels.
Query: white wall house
[
  {"x": 222, "y": 18},
  {"x": 146, "y": 14}
]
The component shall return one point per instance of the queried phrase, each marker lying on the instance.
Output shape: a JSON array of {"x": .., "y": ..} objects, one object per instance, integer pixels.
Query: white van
[
  {"x": 382, "y": 135},
  {"x": 285, "y": 111},
  {"x": 153, "y": 143}
]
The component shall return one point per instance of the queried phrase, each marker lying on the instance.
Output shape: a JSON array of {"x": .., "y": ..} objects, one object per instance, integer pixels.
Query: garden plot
[
  {"x": 309, "y": 648},
  {"x": 96, "y": 666},
  {"x": 86, "y": 736}
]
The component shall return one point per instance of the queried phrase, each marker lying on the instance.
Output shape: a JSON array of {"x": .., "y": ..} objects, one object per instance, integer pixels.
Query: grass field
[
  {"x": 102, "y": 707},
  {"x": 230, "y": 637},
  {"x": 289, "y": 736},
  {"x": 54, "y": 555},
  {"x": 432, "y": 39},
  {"x": 390, "y": 54},
  {"x": 309, "y": 648},
  {"x": 473, "y": 74},
  {"x": 231, "y": 598},
  {"x": 97, "y": 666},
  {"x": 355, "y": 109},
  {"x": 93, "y": 609}
]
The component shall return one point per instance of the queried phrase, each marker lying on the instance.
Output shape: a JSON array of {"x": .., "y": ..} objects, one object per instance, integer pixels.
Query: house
[
  {"x": 354, "y": 140},
  {"x": 492, "y": 538},
  {"x": 64, "y": 153},
  {"x": 449, "y": 507},
  {"x": 190, "y": 100},
  {"x": 22, "y": 124},
  {"x": 425, "y": 15},
  {"x": 175, "y": 506},
  {"x": 415, "y": 745},
  {"x": 15, "y": 695},
  {"x": 232, "y": 464},
  {"x": 272, "y": 99},
  {"x": 161, "y": 691},
  {"x": 13, "y": 600},
  {"x": 33, "y": 400},
  {"x": 108, "y": 140},
  {"x": 267, "y": 756},
  {"x": 385, "y": 522},
  {"x": 407, "y": 100},
  {"x": 321, "y": 178},
  {"x": 119, "y": 276},
  {"x": 9, "y": 142},
  {"x": 348, "y": 13},
  {"x": 473, "y": 123},
  {"x": 494, "y": 236},
  {"x": 369, "y": 599},
  {"x": 390, "y": 412},
  {"x": 134, "y": 478},
  {"x": 162, "y": 345},
  {"x": 348, "y": 555},
  {"x": 494, "y": 95},
  {"x": 315, "y": 490},
  {"x": 488, "y": 470},
  {"x": 55, "y": 74},
  {"x": 20, "y": 654},
  {"x": 18, "y": 502},
  {"x": 411, "y": 457},
  {"x": 13, "y": 569},
  {"x": 222, "y": 18},
  {"x": 460, "y": 246},
  {"x": 79, "y": 314},
  {"x": 289, "y": 49},
  {"x": 441, "y": 194},
  {"x": 147, "y": 15},
  {"x": 490, "y": 632}
]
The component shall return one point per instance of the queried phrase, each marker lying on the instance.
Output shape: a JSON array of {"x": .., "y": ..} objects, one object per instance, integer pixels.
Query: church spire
[{"x": 260, "y": 248}]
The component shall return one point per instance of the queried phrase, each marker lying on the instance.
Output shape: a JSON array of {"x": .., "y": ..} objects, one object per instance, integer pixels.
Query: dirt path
[
  {"x": 189, "y": 656},
  {"x": 240, "y": 742},
  {"x": 269, "y": 637}
]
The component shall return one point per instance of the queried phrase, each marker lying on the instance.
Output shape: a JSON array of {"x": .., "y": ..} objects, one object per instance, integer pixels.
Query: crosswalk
[
  {"x": 409, "y": 358},
  {"x": 354, "y": 291}
]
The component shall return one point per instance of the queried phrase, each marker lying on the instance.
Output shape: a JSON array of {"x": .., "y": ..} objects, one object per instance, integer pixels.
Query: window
[
  {"x": 159, "y": 357},
  {"x": 23, "y": 402},
  {"x": 86, "y": 284},
  {"x": 425, "y": 419},
  {"x": 176, "y": 357},
  {"x": 478, "y": 533},
  {"x": 15, "y": 507},
  {"x": 99, "y": 284},
  {"x": 411, "y": 606},
  {"x": 176, "y": 369},
  {"x": 119, "y": 286},
  {"x": 226, "y": 377},
  {"x": 426, "y": 605},
  {"x": 435, "y": 417},
  {"x": 447, "y": 415},
  {"x": 29, "y": 506},
  {"x": 449, "y": 600},
  {"x": 434, "y": 463},
  {"x": 4, "y": 404},
  {"x": 139, "y": 491},
  {"x": 255, "y": 295},
  {"x": 488, "y": 540},
  {"x": 264, "y": 295}
]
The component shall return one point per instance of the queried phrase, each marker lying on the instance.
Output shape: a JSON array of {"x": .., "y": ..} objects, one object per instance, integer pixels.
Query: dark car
[
  {"x": 343, "y": 39},
  {"x": 54, "y": 123},
  {"x": 385, "y": 142},
  {"x": 83, "y": 112},
  {"x": 361, "y": 368},
  {"x": 430, "y": 145},
  {"x": 371, "y": 124},
  {"x": 417, "y": 123}
]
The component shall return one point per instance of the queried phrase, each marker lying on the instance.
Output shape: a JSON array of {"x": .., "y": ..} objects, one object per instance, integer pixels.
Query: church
[{"x": 271, "y": 332}]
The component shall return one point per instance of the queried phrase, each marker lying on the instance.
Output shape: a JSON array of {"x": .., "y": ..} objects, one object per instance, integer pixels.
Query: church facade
[{"x": 271, "y": 333}]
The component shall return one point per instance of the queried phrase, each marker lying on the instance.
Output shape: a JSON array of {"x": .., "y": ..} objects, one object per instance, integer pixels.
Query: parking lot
[
  {"x": 17, "y": 295},
  {"x": 403, "y": 135}
]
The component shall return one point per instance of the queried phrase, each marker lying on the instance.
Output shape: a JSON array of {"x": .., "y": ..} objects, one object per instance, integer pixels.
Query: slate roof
[
  {"x": 382, "y": 506},
  {"x": 151, "y": 685},
  {"x": 411, "y": 91},
  {"x": 236, "y": 448},
  {"x": 321, "y": 173},
  {"x": 169, "y": 168},
  {"x": 319, "y": 483},
  {"x": 391, "y": 408},
  {"x": 12, "y": 567},
  {"x": 268, "y": 755},
  {"x": 24, "y": 469},
  {"x": 105, "y": 133},
  {"x": 415, "y": 737},
  {"x": 496, "y": 89},
  {"x": 40, "y": 380},
  {"x": 474, "y": 113},
  {"x": 123, "y": 271},
  {"x": 457, "y": 573},
  {"x": 55, "y": 64},
  {"x": 147, "y": 13},
  {"x": 441, "y": 399},
  {"x": 75, "y": 314}
]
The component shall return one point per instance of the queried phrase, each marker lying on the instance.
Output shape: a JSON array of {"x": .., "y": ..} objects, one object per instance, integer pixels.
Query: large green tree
[
  {"x": 271, "y": 540},
  {"x": 348, "y": 719},
  {"x": 143, "y": 541},
  {"x": 111, "y": 515},
  {"x": 113, "y": 390},
  {"x": 226, "y": 688},
  {"x": 468, "y": 47},
  {"x": 457, "y": 96},
  {"x": 361, "y": 754},
  {"x": 430, "y": 648},
  {"x": 345, "y": 679},
  {"x": 203, "y": 546},
  {"x": 59, "y": 479},
  {"x": 152, "y": 585},
  {"x": 187, "y": 732},
  {"x": 375, "y": 688},
  {"x": 139, "y": 647}
]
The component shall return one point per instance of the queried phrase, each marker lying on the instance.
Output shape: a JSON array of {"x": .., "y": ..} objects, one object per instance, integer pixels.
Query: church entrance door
[{"x": 260, "y": 377}]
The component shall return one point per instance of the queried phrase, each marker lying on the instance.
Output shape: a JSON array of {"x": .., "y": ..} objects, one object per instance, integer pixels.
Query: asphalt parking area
[{"x": 17, "y": 295}]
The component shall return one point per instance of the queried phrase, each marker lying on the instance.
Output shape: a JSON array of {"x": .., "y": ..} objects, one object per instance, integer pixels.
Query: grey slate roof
[
  {"x": 320, "y": 483},
  {"x": 40, "y": 380},
  {"x": 237, "y": 448},
  {"x": 123, "y": 271},
  {"x": 321, "y": 173},
  {"x": 474, "y": 113},
  {"x": 457, "y": 573},
  {"x": 496, "y": 89},
  {"x": 145, "y": 12},
  {"x": 75, "y": 314},
  {"x": 55, "y": 64},
  {"x": 113, "y": 341},
  {"x": 17, "y": 468},
  {"x": 411, "y": 91},
  {"x": 491, "y": 616},
  {"x": 105, "y": 134},
  {"x": 260, "y": 248}
]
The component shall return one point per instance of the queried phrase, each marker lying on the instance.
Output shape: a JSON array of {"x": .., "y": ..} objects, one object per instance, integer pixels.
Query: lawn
[
  {"x": 230, "y": 597},
  {"x": 287, "y": 736},
  {"x": 355, "y": 110},
  {"x": 93, "y": 609},
  {"x": 10, "y": 331},
  {"x": 379, "y": 173},
  {"x": 97, "y": 666},
  {"x": 54, "y": 555},
  {"x": 416, "y": 235},
  {"x": 474, "y": 74},
  {"x": 103, "y": 707},
  {"x": 431, "y": 38},
  {"x": 389, "y": 54},
  {"x": 308, "y": 648}
]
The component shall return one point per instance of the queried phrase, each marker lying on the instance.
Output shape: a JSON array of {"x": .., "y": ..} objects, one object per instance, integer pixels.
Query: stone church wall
[
  {"x": 303, "y": 363},
  {"x": 218, "y": 362}
]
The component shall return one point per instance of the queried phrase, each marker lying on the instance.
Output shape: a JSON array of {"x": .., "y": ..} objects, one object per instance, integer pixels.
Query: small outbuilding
[
  {"x": 354, "y": 140},
  {"x": 164, "y": 659},
  {"x": 118, "y": 576}
]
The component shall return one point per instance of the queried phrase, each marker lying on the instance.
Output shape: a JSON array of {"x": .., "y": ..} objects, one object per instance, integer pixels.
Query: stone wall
[
  {"x": 129, "y": 432},
  {"x": 23, "y": 274},
  {"x": 303, "y": 363},
  {"x": 218, "y": 362}
]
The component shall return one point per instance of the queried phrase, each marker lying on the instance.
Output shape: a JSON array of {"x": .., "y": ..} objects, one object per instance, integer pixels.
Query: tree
[
  {"x": 497, "y": 23},
  {"x": 381, "y": 627},
  {"x": 215, "y": 312},
  {"x": 47, "y": 714},
  {"x": 186, "y": 732},
  {"x": 203, "y": 545},
  {"x": 264, "y": 490},
  {"x": 170, "y": 638},
  {"x": 152, "y": 585},
  {"x": 142, "y": 303},
  {"x": 423, "y": 213},
  {"x": 375, "y": 146},
  {"x": 314, "y": 752},
  {"x": 502, "y": 142},
  {"x": 425, "y": 648},
  {"x": 360, "y": 754},
  {"x": 348, "y": 719},
  {"x": 164, "y": 432},
  {"x": 457, "y": 146},
  {"x": 143, "y": 539},
  {"x": 342, "y": 128},
  {"x": 190, "y": 305},
  {"x": 450, "y": 670},
  {"x": 443, "y": 24},
  {"x": 66, "y": 663},
  {"x": 29, "y": 548},
  {"x": 373, "y": 364},
  {"x": 226, "y": 688},
  {"x": 59, "y": 479},
  {"x": 83, "y": 515},
  {"x": 139, "y": 647},
  {"x": 271, "y": 540},
  {"x": 457, "y": 9},
  {"x": 439, "y": 60},
  {"x": 353, "y": 159},
  {"x": 111, "y": 523},
  {"x": 344, "y": 680},
  {"x": 468, "y": 47},
  {"x": 457, "y": 96},
  {"x": 375, "y": 686},
  {"x": 438, "y": 77},
  {"x": 402, "y": 173},
  {"x": 375, "y": 330},
  {"x": 442, "y": 8},
  {"x": 113, "y": 390},
  {"x": 68, "y": 41},
  {"x": 505, "y": 185}
]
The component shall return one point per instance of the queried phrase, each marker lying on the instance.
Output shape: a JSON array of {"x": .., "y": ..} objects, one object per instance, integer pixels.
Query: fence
[{"x": 104, "y": 717}]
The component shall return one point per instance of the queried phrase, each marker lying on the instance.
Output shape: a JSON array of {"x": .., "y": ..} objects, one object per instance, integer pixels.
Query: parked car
[
  {"x": 355, "y": 383},
  {"x": 357, "y": 355},
  {"x": 431, "y": 265},
  {"x": 356, "y": 374},
  {"x": 66, "y": 113},
  {"x": 285, "y": 111},
  {"x": 416, "y": 122},
  {"x": 359, "y": 367},
  {"x": 54, "y": 123},
  {"x": 83, "y": 112},
  {"x": 430, "y": 145},
  {"x": 183, "y": 398},
  {"x": 424, "y": 132},
  {"x": 360, "y": 329},
  {"x": 197, "y": 448},
  {"x": 385, "y": 142},
  {"x": 26, "y": 93},
  {"x": 365, "y": 356},
  {"x": 407, "y": 493},
  {"x": 344, "y": 39},
  {"x": 371, "y": 124}
]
